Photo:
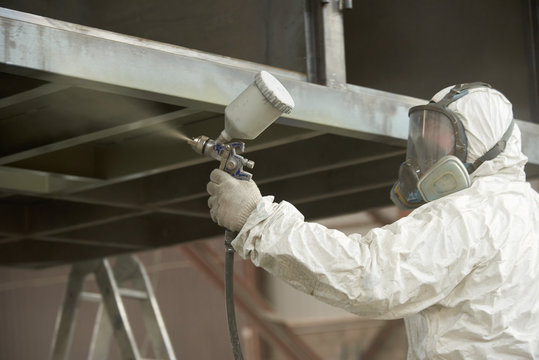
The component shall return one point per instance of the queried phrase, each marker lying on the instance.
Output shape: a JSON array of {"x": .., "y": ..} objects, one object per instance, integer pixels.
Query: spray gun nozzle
[
  {"x": 192, "y": 141},
  {"x": 199, "y": 143}
]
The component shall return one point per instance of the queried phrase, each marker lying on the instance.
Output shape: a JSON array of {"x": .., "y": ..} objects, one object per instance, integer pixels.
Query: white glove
[{"x": 231, "y": 200}]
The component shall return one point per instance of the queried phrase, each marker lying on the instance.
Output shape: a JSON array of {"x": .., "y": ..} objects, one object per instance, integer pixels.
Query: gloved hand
[{"x": 231, "y": 200}]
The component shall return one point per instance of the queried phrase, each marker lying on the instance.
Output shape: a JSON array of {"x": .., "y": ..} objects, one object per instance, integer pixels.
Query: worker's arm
[{"x": 390, "y": 272}]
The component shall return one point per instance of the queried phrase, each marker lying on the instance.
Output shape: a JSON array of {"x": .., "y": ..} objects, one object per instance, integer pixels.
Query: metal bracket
[
  {"x": 346, "y": 4},
  {"x": 324, "y": 32},
  {"x": 343, "y": 4}
]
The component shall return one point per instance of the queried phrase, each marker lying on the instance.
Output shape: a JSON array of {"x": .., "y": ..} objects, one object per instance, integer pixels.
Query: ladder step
[
  {"x": 128, "y": 293},
  {"x": 133, "y": 294},
  {"x": 88, "y": 296}
]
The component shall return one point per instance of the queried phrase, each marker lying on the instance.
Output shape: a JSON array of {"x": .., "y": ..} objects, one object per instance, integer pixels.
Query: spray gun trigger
[{"x": 238, "y": 146}]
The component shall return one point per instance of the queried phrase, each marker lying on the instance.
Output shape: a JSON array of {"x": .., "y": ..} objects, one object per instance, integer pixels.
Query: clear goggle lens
[{"x": 430, "y": 137}]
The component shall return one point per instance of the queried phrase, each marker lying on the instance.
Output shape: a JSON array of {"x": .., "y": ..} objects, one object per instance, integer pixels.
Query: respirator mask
[{"x": 435, "y": 163}]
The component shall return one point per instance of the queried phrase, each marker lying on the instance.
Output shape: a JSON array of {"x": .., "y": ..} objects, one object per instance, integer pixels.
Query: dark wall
[{"x": 417, "y": 47}]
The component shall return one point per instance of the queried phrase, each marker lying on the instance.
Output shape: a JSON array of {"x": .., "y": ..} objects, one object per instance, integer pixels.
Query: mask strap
[
  {"x": 494, "y": 151},
  {"x": 459, "y": 91}
]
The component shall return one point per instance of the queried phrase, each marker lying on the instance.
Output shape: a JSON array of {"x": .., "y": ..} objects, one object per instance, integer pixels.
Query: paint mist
[{"x": 173, "y": 133}]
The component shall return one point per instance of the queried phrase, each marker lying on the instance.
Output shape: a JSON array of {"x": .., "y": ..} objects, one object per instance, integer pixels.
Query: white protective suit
[{"x": 463, "y": 271}]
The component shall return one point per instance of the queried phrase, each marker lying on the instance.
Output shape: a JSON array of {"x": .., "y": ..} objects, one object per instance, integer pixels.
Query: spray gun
[
  {"x": 256, "y": 108},
  {"x": 245, "y": 118}
]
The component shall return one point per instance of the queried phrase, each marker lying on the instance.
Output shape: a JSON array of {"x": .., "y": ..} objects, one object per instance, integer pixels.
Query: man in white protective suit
[{"x": 462, "y": 268}]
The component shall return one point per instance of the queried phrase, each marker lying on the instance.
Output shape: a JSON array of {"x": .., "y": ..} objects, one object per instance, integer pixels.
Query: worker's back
[{"x": 494, "y": 311}]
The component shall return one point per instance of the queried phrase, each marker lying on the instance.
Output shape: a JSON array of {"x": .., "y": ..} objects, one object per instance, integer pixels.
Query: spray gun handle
[
  {"x": 227, "y": 155},
  {"x": 233, "y": 163}
]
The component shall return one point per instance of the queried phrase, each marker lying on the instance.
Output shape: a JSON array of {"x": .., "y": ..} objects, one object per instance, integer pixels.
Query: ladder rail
[
  {"x": 116, "y": 311},
  {"x": 153, "y": 319},
  {"x": 101, "y": 336},
  {"x": 65, "y": 324}
]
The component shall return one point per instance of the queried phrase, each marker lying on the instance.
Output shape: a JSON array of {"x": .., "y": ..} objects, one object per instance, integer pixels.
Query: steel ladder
[{"x": 111, "y": 319}]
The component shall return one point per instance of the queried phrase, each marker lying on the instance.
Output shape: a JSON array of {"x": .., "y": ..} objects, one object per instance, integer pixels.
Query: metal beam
[
  {"x": 138, "y": 149},
  {"x": 38, "y": 182},
  {"x": 98, "y": 224},
  {"x": 142, "y": 157},
  {"x": 152, "y": 122},
  {"x": 69, "y": 113},
  {"x": 324, "y": 32},
  {"x": 56, "y": 216},
  {"x": 51, "y": 220},
  {"x": 319, "y": 153},
  {"x": 94, "y": 243},
  {"x": 341, "y": 190},
  {"x": 31, "y": 94},
  {"x": 38, "y": 253},
  {"x": 145, "y": 231},
  {"x": 531, "y": 28},
  {"x": 79, "y": 54},
  {"x": 333, "y": 37},
  {"x": 181, "y": 193},
  {"x": 371, "y": 197},
  {"x": 312, "y": 43},
  {"x": 298, "y": 188},
  {"x": 176, "y": 75},
  {"x": 530, "y": 141},
  {"x": 335, "y": 181},
  {"x": 318, "y": 206}
]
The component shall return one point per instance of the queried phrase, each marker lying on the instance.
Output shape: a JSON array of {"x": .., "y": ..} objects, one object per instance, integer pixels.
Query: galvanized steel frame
[{"x": 74, "y": 55}]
